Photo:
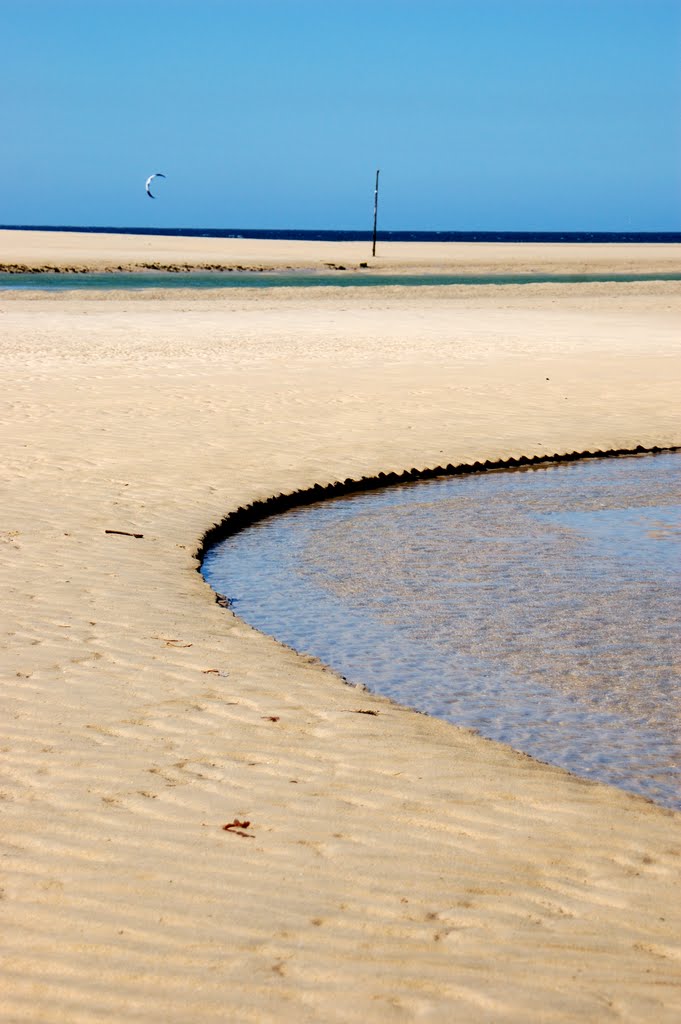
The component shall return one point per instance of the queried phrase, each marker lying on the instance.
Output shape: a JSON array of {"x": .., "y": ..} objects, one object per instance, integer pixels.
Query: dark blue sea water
[{"x": 324, "y": 235}]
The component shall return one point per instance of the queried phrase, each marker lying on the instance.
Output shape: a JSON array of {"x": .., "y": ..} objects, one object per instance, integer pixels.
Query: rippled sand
[{"x": 394, "y": 867}]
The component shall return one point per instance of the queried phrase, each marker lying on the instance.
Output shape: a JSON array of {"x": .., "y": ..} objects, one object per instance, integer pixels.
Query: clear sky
[{"x": 481, "y": 114}]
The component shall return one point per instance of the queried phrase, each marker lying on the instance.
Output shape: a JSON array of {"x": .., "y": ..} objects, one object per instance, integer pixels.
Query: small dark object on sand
[{"x": 236, "y": 827}]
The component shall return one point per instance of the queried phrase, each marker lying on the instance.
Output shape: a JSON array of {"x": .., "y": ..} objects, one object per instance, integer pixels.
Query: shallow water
[
  {"x": 541, "y": 607},
  {"x": 123, "y": 280}
]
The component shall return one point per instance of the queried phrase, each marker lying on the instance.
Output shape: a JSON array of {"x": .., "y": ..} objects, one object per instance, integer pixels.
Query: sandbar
[{"x": 377, "y": 867}]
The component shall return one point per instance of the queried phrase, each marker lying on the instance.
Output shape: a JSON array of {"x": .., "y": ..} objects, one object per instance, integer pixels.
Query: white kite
[{"x": 149, "y": 181}]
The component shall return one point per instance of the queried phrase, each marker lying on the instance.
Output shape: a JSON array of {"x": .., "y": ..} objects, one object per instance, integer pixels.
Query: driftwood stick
[{"x": 124, "y": 533}]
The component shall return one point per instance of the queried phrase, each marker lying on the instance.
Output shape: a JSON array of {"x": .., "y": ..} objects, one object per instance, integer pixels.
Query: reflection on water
[{"x": 541, "y": 607}]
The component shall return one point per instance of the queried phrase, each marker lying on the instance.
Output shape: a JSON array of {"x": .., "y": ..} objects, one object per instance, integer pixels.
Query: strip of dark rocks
[
  {"x": 246, "y": 515},
  {"x": 136, "y": 268}
]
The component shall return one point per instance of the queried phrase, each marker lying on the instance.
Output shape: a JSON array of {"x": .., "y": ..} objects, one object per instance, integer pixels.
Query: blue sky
[{"x": 481, "y": 114}]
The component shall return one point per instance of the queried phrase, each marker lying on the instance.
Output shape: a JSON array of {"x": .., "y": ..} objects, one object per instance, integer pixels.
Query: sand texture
[
  {"x": 394, "y": 868},
  {"x": 49, "y": 250}
]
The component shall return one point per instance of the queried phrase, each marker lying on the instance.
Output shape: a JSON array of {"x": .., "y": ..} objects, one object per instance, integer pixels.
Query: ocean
[{"x": 325, "y": 235}]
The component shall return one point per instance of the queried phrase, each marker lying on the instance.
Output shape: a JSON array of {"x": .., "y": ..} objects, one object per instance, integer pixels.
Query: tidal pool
[{"x": 541, "y": 607}]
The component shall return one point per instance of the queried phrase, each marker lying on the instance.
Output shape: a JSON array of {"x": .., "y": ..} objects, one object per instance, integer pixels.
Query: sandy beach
[
  {"x": 50, "y": 250},
  {"x": 393, "y": 867}
]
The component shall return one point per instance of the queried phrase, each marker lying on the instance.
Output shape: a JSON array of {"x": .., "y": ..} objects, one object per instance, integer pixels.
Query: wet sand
[{"x": 394, "y": 867}]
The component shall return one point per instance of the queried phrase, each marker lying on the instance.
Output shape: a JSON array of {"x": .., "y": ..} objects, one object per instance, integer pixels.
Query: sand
[
  {"x": 47, "y": 250},
  {"x": 394, "y": 867}
]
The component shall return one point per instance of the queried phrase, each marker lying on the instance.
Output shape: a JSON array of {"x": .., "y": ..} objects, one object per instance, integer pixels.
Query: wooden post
[{"x": 373, "y": 250}]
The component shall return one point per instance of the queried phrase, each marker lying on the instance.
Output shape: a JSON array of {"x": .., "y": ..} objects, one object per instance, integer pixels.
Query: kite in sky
[{"x": 149, "y": 181}]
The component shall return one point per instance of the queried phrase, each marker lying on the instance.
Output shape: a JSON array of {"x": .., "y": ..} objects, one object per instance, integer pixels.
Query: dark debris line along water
[{"x": 541, "y": 607}]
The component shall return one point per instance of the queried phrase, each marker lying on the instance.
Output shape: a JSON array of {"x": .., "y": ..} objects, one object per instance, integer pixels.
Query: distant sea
[{"x": 323, "y": 235}]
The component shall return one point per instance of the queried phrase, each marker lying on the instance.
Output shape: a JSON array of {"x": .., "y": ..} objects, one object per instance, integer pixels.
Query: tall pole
[{"x": 373, "y": 250}]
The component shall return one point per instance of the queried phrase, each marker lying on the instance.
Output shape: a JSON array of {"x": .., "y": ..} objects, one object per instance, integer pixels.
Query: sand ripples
[{"x": 393, "y": 867}]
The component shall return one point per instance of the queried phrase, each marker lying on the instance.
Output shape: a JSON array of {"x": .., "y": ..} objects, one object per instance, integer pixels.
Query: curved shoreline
[
  {"x": 245, "y": 516},
  {"x": 394, "y": 867},
  {"x": 258, "y": 580}
]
